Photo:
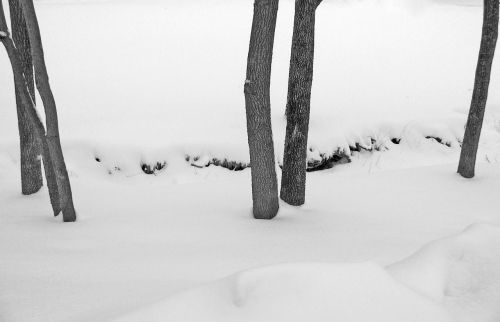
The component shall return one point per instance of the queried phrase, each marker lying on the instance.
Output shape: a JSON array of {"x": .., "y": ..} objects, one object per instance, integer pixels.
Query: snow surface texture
[
  {"x": 299, "y": 292},
  {"x": 156, "y": 86},
  {"x": 454, "y": 279},
  {"x": 460, "y": 272},
  {"x": 142, "y": 239}
]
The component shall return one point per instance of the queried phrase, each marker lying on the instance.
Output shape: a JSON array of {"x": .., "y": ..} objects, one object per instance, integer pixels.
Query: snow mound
[
  {"x": 299, "y": 292},
  {"x": 461, "y": 272},
  {"x": 453, "y": 279}
]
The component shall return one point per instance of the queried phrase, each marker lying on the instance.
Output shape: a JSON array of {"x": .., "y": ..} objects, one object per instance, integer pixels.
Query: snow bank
[
  {"x": 461, "y": 272},
  {"x": 299, "y": 292},
  {"x": 454, "y": 279}
]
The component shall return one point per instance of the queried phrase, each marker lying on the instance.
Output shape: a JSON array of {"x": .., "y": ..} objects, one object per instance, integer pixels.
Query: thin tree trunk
[
  {"x": 293, "y": 181},
  {"x": 43, "y": 86},
  {"x": 31, "y": 170},
  {"x": 466, "y": 167},
  {"x": 258, "y": 110}
]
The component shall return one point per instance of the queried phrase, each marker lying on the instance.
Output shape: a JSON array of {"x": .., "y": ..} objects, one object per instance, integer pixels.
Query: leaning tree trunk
[
  {"x": 31, "y": 170},
  {"x": 43, "y": 86},
  {"x": 27, "y": 101},
  {"x": 489, "y": 37},
  {"x": 258, "y": 110},
  {"x": 293, "y": 181}
]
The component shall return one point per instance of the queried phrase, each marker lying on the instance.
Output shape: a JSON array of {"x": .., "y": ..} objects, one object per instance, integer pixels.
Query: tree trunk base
[
  {"x": 31, "y": 178},
  {"x": 466, "y": 171},
  {"x": 267, "y": 211},
  {"x": 292, "y": 198},
  {"x": 69, "y": 214}
]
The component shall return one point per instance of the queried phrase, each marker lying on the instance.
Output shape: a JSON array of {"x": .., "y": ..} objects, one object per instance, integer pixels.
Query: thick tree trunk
[
  {"x": 43, "y": 86},
  {"x": 293, "y": 181},
  {"x": 28, "y": 102},
  {"x": 489, "y": 37},
  {"x": 31, "y": 170},
  {"x": 258, "y": 110}
]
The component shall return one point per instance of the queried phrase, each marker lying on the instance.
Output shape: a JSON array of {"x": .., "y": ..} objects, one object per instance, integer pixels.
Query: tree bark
[
  {"x": 27, "y": 101},
  {"x": 293, "y": 181},
  {"x": 467, "y": 164},
  {"x": 258, "y": 110},
  {"x": 31, "y": 170},
  {"x": 43, "y": 86}
]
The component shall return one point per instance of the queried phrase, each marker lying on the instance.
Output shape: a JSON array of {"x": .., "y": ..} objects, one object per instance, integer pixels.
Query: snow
[
  {"x": 299, "y": 292},
  {"x": 453, "y": 279},
  {"x": 461, "y": 272},
  {"x": 142, "y": 239},
  {"x": 146, "y": 82}
]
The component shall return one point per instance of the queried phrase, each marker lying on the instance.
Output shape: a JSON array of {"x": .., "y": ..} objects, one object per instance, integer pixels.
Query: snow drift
[
  {"x": 461, "y": 272},
  {"x": 454, "y": 279}
]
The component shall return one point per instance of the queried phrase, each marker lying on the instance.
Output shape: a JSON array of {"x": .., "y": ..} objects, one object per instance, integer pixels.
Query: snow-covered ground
[
  {"x": 140, "y": 240},
  {"x": 146, "y": 82},
  {"x": 460, "y": 273}
]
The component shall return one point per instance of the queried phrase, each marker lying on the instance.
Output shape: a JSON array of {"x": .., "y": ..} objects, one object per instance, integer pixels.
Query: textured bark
[
  {"x": 293, "y": 181},
  {"x": 50, "y": 176},
  {"x": 52, "y": 136},
  {"x": 31, "y": 170},
  {"x": 31, "y": 145},
  {"x": 28, "y": 102},
  {"x": 489, "y": 37},
  {"x": 258, "y": 110}
]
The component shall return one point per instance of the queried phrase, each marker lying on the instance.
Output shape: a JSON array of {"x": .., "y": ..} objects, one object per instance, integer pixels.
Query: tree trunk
[
  {"x": 293, "y": 181},
  {"x": 43, "y": 86},
  {"x": 31, "y": 170},
  {"x": 27, "y": 102},
  {"x": 258, "y": 110},
  {"x": 31, "y": 145},
  {"x": 489, "y": 37}
]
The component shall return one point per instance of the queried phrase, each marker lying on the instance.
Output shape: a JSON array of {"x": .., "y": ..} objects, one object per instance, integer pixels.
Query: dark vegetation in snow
[
  {"x": 153, "y": 168},
  {"x": 224, "y": 163},
  {"x": 230, "y": 165},
  {"x": 323, "y": 162},
  {"x": 439, "y": 140},
  {"x": 328, "y": 161},
  {"x": 115, "y": 169}
]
